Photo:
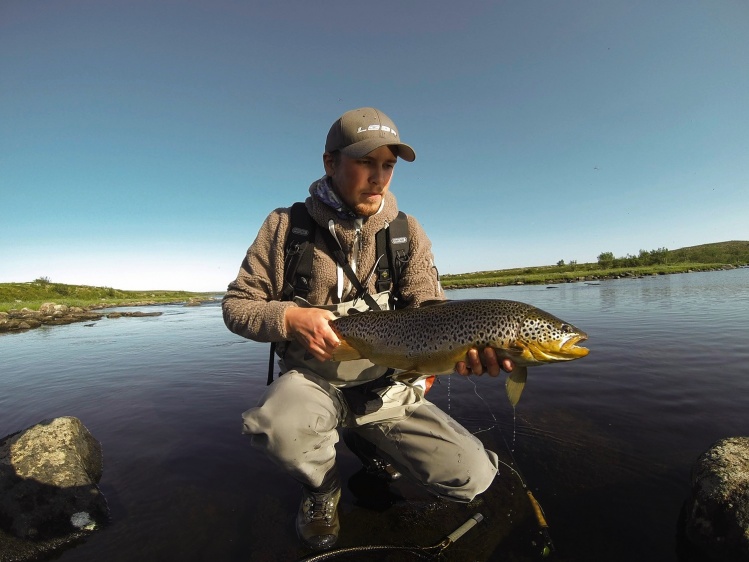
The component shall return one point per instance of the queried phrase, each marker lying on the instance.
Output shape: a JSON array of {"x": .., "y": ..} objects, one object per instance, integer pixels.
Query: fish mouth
[
  {"x": 570, "y": 347},
  {"x": 566, "y": 350}
]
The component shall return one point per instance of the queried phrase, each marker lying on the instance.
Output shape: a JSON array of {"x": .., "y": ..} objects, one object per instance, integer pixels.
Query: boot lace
[{"x": 319, "y": 508}]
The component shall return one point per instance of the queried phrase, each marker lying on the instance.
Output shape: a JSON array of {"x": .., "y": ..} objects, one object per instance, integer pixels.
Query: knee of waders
[
  {"x": 293, "y": 405},
  {"x": 469, "y": 480}
]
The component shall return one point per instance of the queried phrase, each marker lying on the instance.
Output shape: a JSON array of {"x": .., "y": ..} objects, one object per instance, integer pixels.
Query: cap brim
[{"x": 362, "y": 148}]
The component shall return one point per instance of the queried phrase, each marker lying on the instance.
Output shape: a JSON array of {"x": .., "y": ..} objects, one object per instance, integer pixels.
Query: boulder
[
  {"x": 29, "y": 323},
  {"x": 47, "y": 308},
  {"x": 48, "y": 488},
  {"x": 715, "y": 518}
]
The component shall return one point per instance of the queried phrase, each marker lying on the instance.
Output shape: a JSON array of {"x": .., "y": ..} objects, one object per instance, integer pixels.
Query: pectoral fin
[
  {"x": 345, "y": 352},
  {"x": 515, "y": 384}
]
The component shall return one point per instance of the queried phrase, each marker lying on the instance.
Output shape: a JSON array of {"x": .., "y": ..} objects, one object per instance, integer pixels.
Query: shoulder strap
[
  {"x": 394, "y": 245},
  {"x": 298, "y": 254}
]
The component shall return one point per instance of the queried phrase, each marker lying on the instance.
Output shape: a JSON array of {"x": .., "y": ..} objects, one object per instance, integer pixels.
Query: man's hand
[
  {"x": 476, "y": 363},
  {"x": 310, "y": 327}
]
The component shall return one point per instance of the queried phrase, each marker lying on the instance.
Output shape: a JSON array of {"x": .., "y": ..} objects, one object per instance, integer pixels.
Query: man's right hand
[{"x": 311, "y": 328}]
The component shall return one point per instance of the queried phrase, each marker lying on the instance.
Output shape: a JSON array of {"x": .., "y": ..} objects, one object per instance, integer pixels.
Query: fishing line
[
  {"x": 547, "y": 546},
  {"x": 448, "y": 395},
  {"x": 494, "y": 426},
  {"x": 433, "y": 552}
]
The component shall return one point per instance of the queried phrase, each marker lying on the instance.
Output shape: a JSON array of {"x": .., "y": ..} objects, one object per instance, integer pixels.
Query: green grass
[
  {"x": 735, "y": 252},
  {"x": 562, "y": 274},
  {"x": 32, "y": 295},
  {"x": 704, "y": 257}
]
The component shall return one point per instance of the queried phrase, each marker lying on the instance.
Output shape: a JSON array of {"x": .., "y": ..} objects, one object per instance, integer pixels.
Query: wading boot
[
  {"x": 317, "y": 522},
  {"x": 374, "y": 464}
]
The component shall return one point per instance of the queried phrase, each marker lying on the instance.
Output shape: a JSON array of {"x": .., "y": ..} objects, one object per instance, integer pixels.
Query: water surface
[{"x": 605, "y": 443}]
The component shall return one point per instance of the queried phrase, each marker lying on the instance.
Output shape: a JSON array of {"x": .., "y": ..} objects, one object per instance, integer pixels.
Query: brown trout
[{"x": 429, "y": 340}]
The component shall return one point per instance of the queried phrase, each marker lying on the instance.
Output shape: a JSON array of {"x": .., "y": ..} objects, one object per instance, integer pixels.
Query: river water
[{"x": 605, "y": 443}]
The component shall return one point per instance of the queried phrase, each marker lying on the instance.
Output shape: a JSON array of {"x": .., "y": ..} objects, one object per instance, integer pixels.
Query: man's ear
[{"x": 328, "y": 161}]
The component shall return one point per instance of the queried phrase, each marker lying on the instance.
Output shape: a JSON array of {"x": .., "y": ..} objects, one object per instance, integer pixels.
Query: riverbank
[
  {"x": 32, "y": 295},
  {"x": 54, "y": 314},
  {"x": 553, "y": 276}
]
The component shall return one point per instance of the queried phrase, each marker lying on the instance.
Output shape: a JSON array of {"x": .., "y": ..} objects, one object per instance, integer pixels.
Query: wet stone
[
  {"x": 715, "y": 518},
  {"x": 49, "y": 496}
]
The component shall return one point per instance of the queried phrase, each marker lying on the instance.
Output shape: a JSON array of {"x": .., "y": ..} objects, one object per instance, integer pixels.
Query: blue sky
[{"x": 143, "y": 142}]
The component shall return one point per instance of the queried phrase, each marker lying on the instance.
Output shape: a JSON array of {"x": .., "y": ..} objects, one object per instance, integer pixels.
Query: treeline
[
  {"x": 734, "y": 253},
  {"x": 648, "y": 262},
  {"x": 653, "y": 257}
]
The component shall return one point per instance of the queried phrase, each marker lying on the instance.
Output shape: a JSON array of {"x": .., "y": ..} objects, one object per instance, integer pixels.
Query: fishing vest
[{"x": 392, "y": 245}]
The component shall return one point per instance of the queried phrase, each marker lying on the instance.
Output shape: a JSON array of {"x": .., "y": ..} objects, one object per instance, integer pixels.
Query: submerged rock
[
  {"x": 48, "y": 488},
  {"x": 715, "y": 518}
]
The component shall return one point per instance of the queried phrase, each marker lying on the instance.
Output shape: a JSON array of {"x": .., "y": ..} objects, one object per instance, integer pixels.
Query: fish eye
[{"x": 566, "y": 328}]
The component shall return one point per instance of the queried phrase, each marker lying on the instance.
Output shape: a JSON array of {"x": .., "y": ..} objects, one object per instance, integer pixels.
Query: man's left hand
[{"x": 476, "y": 363}]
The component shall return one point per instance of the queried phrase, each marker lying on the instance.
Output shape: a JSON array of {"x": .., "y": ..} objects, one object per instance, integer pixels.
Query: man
[{"x": 390, "y": 425}]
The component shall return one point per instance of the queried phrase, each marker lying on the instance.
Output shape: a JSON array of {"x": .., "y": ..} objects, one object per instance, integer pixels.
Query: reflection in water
[
  {"x": 657, "y": 293},
  {"x": 608, "y": 294},
  {"x": 604, "y": 443}
]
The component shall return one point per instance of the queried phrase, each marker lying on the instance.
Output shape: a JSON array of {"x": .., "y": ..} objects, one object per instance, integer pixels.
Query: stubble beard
[{"x": 366, "y": 209}]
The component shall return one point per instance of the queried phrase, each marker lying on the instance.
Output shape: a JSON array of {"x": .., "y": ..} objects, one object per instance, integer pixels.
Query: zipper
[
  {"x": 356, "y": 250},
  {"x": 339, "y": 269},
  {"x": 345, "y": 288}
]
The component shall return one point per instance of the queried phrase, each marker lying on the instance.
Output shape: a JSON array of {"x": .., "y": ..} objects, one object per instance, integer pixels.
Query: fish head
[{"x": 544, "y": 338}]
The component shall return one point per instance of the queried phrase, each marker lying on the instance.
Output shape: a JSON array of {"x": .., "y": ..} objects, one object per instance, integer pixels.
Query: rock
[
  {"x": 52, "y": 309},
  {"x": 85, "y": 316},
  {"x": 136, "y": 314},
  {"x": 48, "y": 488},
  {"x": 47, "y": 308},
  {"x": 139, "y": 314},
  {"x": 52, "y": 314},
  {"x": 715, "y": 518}
]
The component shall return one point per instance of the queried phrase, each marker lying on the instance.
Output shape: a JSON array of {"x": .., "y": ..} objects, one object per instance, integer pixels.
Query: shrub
[{"x": 61, "y": 289}]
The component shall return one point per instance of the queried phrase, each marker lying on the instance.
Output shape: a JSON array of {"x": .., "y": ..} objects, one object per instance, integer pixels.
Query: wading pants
[{"x": 296, "y": 423}]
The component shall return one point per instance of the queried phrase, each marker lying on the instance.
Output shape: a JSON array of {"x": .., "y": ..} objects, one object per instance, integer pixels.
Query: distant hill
[
  {"x": 32, "y": 294},
  {"x": 705, "y": 257},
  {"x": 734, "y": 252}
]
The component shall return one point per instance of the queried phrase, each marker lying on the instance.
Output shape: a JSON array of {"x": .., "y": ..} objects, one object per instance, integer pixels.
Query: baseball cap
[{"x": 360, "y": 131}]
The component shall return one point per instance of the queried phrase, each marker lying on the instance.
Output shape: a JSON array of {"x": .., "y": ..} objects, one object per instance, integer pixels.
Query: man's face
[{"x": 362, "y": 182}]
